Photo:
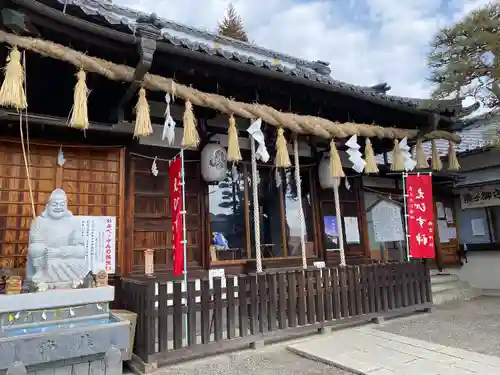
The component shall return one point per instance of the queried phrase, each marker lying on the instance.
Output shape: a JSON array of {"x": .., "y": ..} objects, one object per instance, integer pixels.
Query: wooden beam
[
  {"x": 63, "y": 122},
  {"x": 75, "y": 23},
  {"x": 146, "y": 47},
  {"x": 76, "y": 34}
]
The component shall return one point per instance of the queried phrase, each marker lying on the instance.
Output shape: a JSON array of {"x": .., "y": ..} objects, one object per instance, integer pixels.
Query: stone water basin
[
  {"x": 10, "y": 332},
  {"x": 37, "y": 333}
]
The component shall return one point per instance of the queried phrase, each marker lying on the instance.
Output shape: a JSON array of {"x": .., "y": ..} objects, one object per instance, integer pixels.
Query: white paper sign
[
  {"x": 99, "y": 235},
  {"x": 319, "y": 264},
  {"x": 387, "y": 222},
  {"x": 351, "y": 230},
  {"x": 440, "y": 210},
  {"x": 217, "y": 272},
  {"x": 452, "y": 233},
  {"x": 449, "y": 214},
  {"x": 443, "y": 231},
  {"x": 478, "y": 228}
]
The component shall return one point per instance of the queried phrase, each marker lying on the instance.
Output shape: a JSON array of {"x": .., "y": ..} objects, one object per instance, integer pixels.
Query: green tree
[
  {"x": 465, "y": 58},
  {"x": 232, "y": 25}
]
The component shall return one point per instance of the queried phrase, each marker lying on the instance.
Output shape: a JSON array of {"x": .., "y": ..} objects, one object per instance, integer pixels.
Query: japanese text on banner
[
  {"x": 176, "y": 197},
  {"x": 420, "y": 216}
]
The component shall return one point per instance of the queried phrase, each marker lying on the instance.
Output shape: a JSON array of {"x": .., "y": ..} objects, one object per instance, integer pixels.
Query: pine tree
[
  {"x": 232, "y": 25},
  {"x": 465, "y": 58}
]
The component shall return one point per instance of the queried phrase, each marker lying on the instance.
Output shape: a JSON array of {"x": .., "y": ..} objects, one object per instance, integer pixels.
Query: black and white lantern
[{"x": 213, "y": 162}]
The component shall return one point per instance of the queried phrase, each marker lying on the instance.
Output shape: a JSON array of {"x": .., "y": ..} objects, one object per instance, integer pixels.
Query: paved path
[
  {"x": 471, "y": 325},
  {"x": 370, "y": 351}
]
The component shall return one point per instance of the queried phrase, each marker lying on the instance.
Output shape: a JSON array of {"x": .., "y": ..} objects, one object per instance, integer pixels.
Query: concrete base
[
  {"x": 448, "y": 288},
  {"x": 55, "y": 298},
  {"x": 259, "y": 344}
]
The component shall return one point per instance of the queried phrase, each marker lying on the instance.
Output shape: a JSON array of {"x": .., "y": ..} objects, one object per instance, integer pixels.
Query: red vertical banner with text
[
  {"x": 420, "y": 213},
  {"x": 176, "y": 197}
]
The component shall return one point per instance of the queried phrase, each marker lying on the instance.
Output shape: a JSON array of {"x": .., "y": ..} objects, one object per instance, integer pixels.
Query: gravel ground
[
  {"x": 471, "y": 325},
  {"x": 273, "y": 360}
]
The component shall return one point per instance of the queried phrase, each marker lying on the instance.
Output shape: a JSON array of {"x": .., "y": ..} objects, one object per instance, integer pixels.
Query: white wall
[{"x": 482, "y": 270}]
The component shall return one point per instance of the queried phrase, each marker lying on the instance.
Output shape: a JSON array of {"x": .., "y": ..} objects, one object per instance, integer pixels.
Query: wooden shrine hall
[
  {"x": 107, "y": 168},
  {"x": 279, "y": 159}
]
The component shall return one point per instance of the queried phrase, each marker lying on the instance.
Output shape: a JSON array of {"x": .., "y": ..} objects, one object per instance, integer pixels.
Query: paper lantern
[
  {"x": 214, "y": 162},
  {"x": 326, "y": 180}
]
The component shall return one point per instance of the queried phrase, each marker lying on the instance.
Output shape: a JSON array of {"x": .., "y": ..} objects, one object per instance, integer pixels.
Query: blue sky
[{"x": 365, "y": 41}]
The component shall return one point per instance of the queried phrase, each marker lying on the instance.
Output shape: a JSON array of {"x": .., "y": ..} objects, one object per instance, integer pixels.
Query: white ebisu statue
[{"x": 56, "y": 252}]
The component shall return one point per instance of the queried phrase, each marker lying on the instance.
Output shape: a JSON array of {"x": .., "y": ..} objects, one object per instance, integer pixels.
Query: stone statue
[{"x": 56, "y": 252}]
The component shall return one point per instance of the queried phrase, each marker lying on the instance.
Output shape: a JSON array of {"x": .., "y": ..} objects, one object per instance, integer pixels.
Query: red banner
[
  {"x": 177, "y": 215},
  {"x": 420, "y": 215}
]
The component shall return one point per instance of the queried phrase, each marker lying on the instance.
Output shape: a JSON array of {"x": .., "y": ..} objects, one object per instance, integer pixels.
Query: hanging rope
[
  {"x": 299, "y": 196},
  {"x": 299, "y": 124},
  {"x": 256, "y": 208},
  {"x": 26, "y": 165},
  {"x": 23, "y": 146},
  {"x": 26, "y": 113},
  {"x": 339, "y": 220}
]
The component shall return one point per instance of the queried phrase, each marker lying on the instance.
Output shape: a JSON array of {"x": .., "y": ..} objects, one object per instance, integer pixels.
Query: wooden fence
[{"x": 175, "y": 325}]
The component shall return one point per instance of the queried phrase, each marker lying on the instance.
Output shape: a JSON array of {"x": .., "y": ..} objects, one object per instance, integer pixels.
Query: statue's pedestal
[{"x": 69, "y": 330}]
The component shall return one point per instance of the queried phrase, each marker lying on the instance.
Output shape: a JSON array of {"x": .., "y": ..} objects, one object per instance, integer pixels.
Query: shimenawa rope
[{"x": 297, "y": 123}]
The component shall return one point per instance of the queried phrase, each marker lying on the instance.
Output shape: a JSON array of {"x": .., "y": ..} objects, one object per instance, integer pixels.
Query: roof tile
[{"x": 314, "y": 71}]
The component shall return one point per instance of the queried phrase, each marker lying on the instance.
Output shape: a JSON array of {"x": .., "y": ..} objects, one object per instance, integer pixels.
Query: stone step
[
  {"x": 443, "y": 287},
  {"x": 443, "y": 279},
  {"x": 459, "y": 294}
]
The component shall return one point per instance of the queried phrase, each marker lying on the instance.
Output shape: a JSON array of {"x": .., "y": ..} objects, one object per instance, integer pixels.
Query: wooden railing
[{"x": 173, "y": 325}]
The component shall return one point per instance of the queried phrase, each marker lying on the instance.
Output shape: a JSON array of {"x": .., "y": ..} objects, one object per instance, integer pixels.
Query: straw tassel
[
  {"x": 282, "y": 159},
  {"x": 436, "y": 160},
  {"x": 12, "y": 93},
  {"x": 190, "y": 138},
  {"x": 335, "y": 163},
  {"x": 453, "y": 164},
  {"x": 79, "y": 115},
  {"x": 397, "y": 161},
  {"x": 143, "y": 126},
  {"x": 371, "y": 163},
  {"x": 233, "y": 147},
  {"x": 422, "y": 162}
]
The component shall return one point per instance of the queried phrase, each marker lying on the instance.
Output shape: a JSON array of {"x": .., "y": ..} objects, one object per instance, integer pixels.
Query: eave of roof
[{"x": 256, "y": 56}]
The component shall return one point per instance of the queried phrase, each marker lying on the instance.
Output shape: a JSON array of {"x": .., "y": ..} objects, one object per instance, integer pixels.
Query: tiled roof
[
  {"x": 246, "y": 53},
  {"x": 481, "y": 132}
]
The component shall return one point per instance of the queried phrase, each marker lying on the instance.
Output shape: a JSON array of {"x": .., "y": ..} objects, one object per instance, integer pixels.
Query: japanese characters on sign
[
  {"x": 107, "y": 247},
  {"x": 483, "y": 197},
  {"x": 176, "y": 197},
  {"x": 99, "y": 236},
  {"x": 420, "y": 215}
]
